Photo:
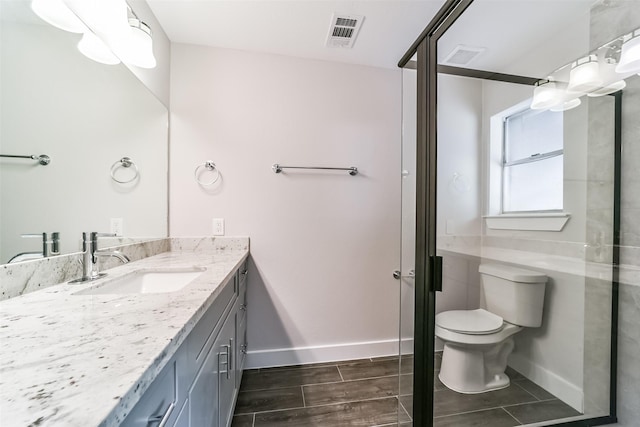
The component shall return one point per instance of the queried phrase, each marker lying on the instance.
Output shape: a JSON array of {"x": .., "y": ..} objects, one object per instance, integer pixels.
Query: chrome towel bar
[
  {"x": 43, "y": 159},
  {"x": 277, "y": 168}
]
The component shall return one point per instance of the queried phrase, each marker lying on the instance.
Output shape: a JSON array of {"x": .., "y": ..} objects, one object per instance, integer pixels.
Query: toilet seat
[{"x": 472, "y": 322}]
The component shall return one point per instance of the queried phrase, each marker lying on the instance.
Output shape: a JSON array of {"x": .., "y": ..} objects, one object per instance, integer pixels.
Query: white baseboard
[
  {"x": 319, "y": 354},
  {"x": 569, "y": 393}
]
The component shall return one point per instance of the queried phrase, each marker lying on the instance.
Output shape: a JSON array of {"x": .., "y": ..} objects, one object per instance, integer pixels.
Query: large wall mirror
[{"x": 86, "y": 117}]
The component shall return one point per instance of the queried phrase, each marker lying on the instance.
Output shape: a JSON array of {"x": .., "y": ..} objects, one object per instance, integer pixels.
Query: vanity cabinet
[
  {"x": 158, "y": 405},
  {"x": 224, "y": 351},
  {"x": 199, "y": 385},
  {"x": 241, "y": 322}
]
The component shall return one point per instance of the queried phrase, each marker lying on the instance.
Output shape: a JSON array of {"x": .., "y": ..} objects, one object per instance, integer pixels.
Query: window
[{"x": 532, "y": 166}]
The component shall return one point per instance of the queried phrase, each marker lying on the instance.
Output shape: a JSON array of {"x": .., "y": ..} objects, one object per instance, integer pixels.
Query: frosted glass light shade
[
  {"x": 567, "y": 105},
  {"x": 630, "y": 55},
  {"x": 93, "y": 48},
  {"x": 613, "y": 87},
  {"x": 585, "y": 75},
  {"x": 545, "y": 95},
  {"x": 58, "y": 14},
  {"x": 104, "y": 17},
  {"x": 138, "y": 47}
]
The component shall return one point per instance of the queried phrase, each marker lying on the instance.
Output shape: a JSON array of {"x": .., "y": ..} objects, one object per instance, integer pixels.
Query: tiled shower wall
[{"x": 610, "y": 19}]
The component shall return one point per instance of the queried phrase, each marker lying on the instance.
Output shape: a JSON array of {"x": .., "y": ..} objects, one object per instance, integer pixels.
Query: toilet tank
[{"x": 515, "y": 294}]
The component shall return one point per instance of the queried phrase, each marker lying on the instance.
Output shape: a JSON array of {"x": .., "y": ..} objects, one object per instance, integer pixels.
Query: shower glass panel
[
  {"x": 407, "y": 260},
  {"x": 524, "y": 319}
]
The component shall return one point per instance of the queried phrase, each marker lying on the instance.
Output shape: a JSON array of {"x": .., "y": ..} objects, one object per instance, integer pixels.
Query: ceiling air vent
[
  {"x": 344, "y": 30},
  {"x": 462, "y": 55}
]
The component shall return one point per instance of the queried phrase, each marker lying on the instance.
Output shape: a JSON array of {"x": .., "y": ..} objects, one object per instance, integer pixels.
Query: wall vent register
[{"x": 344, "y": 30}]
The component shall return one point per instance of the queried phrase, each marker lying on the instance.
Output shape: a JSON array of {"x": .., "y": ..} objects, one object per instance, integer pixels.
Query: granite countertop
[{"x": 85, "y": 360}]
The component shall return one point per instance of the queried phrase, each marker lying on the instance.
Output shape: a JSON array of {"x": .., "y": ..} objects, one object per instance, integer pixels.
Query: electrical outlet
[
  {"x": 218, "y": 226},
  {"x": 117, "y": 226},
  {"x": 450, "y": 227}
]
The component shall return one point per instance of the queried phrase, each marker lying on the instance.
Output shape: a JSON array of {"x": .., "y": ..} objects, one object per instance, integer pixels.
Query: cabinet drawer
[
  {"x": 157, "y": 405},
  {"x": 202, "y": 335}
]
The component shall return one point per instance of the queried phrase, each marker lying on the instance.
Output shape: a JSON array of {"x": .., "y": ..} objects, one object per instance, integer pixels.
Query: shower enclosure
[{"x": 515, "y": 121}]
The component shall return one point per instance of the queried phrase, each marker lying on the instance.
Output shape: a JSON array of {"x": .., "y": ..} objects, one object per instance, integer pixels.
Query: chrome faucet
[
  {"x": 46, "y": 251},
  {"x": 90, "y": 255}
]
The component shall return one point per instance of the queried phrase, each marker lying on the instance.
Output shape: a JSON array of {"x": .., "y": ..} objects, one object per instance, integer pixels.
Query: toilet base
[{"x": 472, "y": 369}]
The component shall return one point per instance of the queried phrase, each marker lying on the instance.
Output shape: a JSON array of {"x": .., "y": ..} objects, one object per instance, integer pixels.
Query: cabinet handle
[
  {"x": 245, "y": 272},
  {"x": 230, "y": 354},
  {"x": 229, "y": 362},
  {"x": 162, "y": 419},
  {"x": 243, "y": 307}
]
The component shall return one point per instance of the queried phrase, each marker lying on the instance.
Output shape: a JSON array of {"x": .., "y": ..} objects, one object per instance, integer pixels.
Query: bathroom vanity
[{"x": 108, "y": 353}]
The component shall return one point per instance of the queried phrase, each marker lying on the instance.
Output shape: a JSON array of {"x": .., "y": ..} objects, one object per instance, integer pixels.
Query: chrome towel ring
[
  {"x": 124, "y": 162},
  {"x": 210, "y": 166}
]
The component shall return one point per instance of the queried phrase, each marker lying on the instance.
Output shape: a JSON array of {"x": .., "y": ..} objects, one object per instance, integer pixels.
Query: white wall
[
  {"x": 323, "y": 244},
  {"x": 459, "y": 187},
  {"x": 459, "y": 159}
]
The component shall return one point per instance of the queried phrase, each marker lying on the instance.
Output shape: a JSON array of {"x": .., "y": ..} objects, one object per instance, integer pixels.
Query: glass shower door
[
  {"x": 528, "y": 164},
  {"x": 408, "y": 243}
]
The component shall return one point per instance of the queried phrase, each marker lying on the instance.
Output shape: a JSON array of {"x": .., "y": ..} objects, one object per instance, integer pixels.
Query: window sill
[{"x": 528, "y": 221}]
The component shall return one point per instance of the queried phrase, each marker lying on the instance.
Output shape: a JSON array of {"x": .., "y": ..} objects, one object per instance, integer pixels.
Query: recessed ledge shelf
[{"x": 528, "y": 222}]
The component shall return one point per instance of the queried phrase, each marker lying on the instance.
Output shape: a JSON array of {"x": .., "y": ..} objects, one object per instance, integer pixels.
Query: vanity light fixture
[
  {"x": 545, "y": 95},
  {"x": 58, "y": 14},
  {"x": 630, "y": 54},
  {"x": 613, "y": 87},
  {"x": 139, "y": 48},
  {"x": 611, "y": 79},
  {"x": 585, "y": 75}
]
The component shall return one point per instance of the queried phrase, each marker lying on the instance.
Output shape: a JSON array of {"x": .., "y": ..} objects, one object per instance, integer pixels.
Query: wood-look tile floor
[{"x": 376, "y": 392}]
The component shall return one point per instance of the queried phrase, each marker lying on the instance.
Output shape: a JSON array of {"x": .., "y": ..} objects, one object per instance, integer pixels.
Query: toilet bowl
[{"x": 478, "y": 342}]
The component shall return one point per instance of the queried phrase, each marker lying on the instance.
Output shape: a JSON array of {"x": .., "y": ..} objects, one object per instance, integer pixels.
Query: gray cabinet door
[
  {"x": 225, "y": 346},
  {"x": 241, "y": 337},
  {"x": 203, "y": 396},
  {"x": 183, "y": 416}
]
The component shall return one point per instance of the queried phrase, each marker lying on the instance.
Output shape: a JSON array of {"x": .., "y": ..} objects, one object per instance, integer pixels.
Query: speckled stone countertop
[{"x": 85, "y": 360}]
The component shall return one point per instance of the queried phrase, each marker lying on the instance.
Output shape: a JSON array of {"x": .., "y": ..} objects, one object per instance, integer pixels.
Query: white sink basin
[{"x": 147, "y": 281}]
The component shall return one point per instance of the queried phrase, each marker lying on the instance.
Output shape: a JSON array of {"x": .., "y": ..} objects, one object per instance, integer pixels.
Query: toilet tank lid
[{"x": 514, "y": 274}]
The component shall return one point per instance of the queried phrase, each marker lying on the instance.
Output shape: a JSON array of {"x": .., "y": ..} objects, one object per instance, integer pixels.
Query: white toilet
[{"x": 478, "y": 342}]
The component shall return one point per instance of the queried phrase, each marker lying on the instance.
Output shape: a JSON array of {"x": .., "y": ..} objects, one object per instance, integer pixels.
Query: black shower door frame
[{"x": 428, "y": 265}]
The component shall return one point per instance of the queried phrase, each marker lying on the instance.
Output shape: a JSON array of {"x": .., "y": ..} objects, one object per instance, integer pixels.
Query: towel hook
[
  {"x": 210, "y": 166},
  {"x": 124, "y": 162}
]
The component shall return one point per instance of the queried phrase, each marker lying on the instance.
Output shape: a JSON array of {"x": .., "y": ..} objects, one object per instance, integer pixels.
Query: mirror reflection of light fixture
[
  {"x": 545, "y": 95},
  {"x": 112, "y": 32},
  {"x": 94, "y": 48},
  {"x": 573, "y": 103},
  {"x": 585, "y": 75},
  {"x": 630, "y": 54},
  {"x": 58, "y": 14}
]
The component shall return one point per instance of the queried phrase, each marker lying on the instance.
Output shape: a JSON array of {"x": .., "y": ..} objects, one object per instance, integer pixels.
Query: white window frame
[
  {"x": 525, "y": 160},
  {"x": 496, "y": 218}
]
